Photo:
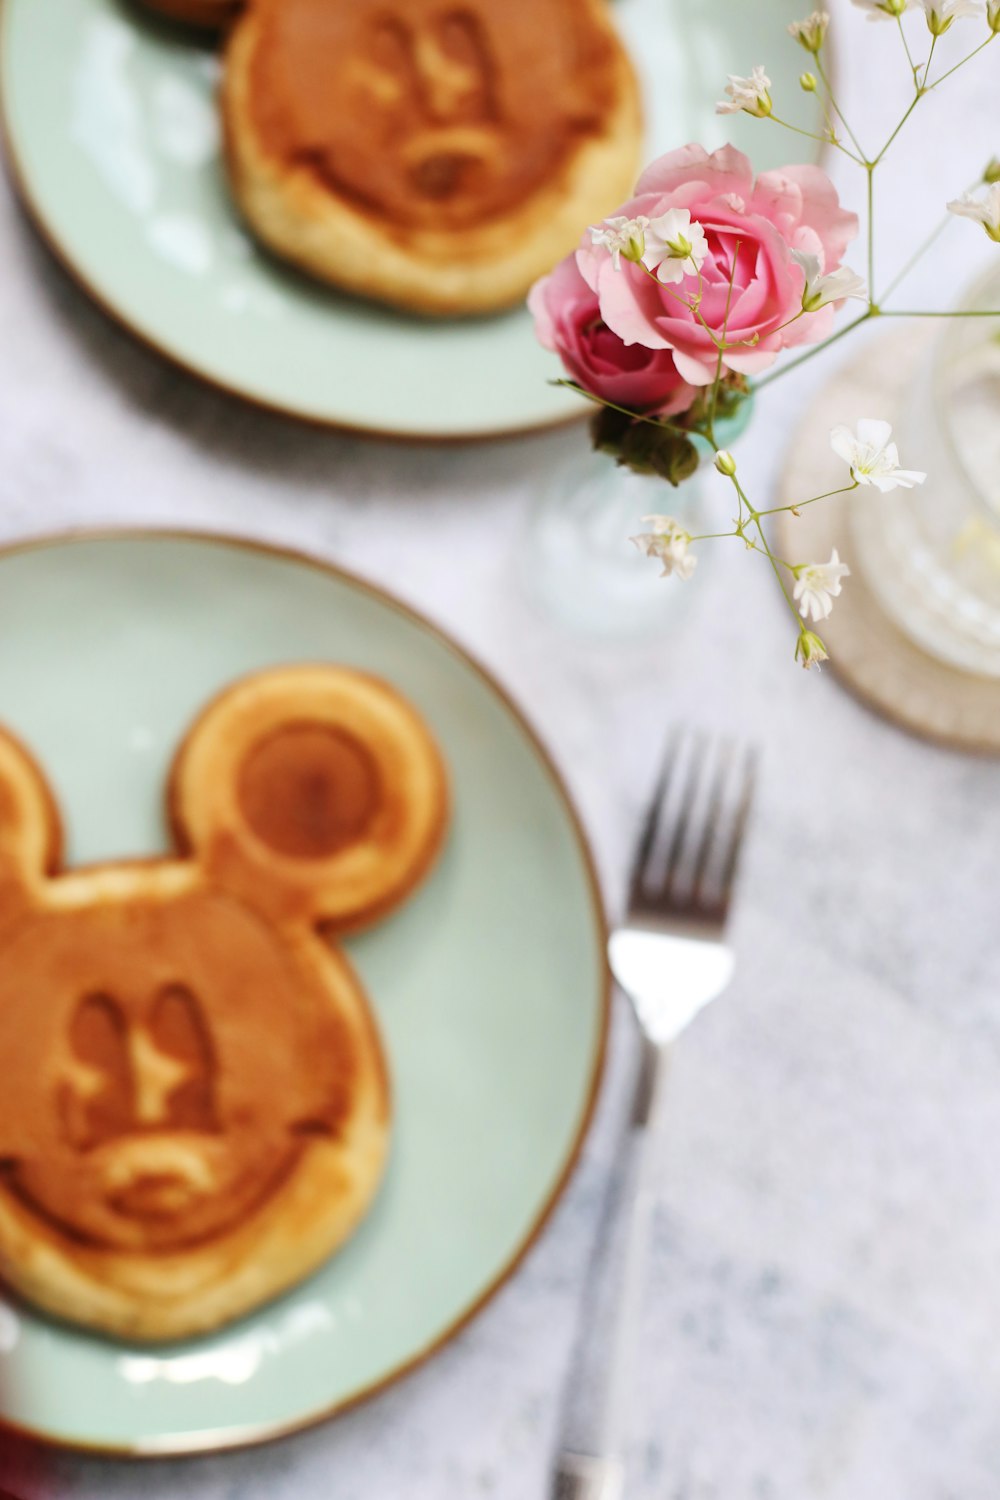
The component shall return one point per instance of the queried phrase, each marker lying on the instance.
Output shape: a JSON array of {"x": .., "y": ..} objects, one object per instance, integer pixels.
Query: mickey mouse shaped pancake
[
  {"x": 436, "y": 154},
  {"x": 195, "y": 1108}
]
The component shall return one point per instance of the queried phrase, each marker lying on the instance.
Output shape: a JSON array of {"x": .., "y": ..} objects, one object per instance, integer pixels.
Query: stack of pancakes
[{"x": 439, "y": 155}]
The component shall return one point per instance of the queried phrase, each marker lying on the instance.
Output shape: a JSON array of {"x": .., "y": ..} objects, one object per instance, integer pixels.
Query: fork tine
[
  {"x": 699, "y": 809},
  {"x": 654, "y": 812},
  {"x": 679, "y": 833},
  {"x": 731, "y": 861},
  {"x": 723, "y": 767}
]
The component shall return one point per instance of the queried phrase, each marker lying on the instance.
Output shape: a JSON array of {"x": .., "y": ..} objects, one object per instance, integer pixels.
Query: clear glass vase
[
  {"x": 932, "y": 555},
  {"x": 576, "y": 559}
]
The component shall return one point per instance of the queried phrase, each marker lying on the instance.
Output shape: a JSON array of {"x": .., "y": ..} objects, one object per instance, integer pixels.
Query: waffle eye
[
  {"x": 97, "y": 1095},
  {"x": 178, "y": 1030}
]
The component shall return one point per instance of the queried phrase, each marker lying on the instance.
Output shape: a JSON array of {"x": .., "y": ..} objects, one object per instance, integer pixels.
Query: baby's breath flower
[
  {"x": 811, "y": 33},
  {"x": 940, "y": 14},
  {"x": 873, "y": 457},
  {"x": 622, "y": 236},
  {"x": 669, "y": 543},
  {"x": 725, "y": 463},
  {"x": 820, "y": 289},
  {"x": 883, "y": 10},
  {"x": 749, "y": 94},
  {"x": 809, "y": 649},
  {"x": 676, "y": 246},
  {"x": 985, "y": 210},
  {"x": 817, "y": 585}
]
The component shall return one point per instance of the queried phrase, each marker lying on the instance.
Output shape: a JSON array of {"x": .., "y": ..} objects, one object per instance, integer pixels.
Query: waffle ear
[
  {"x": 313, "y": 792},
  {"x": 30, "y": 833}
]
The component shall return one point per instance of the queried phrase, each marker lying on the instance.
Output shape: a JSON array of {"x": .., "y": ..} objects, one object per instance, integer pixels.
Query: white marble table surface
[{"x": 825, "y": 1289}]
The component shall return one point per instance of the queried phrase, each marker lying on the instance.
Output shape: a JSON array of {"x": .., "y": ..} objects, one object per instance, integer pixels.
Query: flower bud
[
  {"x": 634, "y": 247},
  {"x": 807, "y": 83},
  {"x": 811, "y": 33},
  {"x": 725, "y": 463},
  {"x": 992, "y": 173},
  {"x": 810, "y": 650},
  {"x": 993, "y": 15}
]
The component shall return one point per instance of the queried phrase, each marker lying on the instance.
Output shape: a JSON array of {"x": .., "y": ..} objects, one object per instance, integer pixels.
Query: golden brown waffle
[
  {"x": 438, "y": 156},
  {"x": 195, "y": 1110}
]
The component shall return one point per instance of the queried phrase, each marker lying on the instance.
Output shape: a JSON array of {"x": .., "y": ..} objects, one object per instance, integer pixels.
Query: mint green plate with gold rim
[
  {"x": 114, "y": 143},
  {"x": 489, "y": 986}
]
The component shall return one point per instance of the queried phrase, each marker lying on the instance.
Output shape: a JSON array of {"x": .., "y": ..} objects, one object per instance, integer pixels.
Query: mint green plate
[
  {"x": 490, "y": 985},
  {"x": 114, "y": 142}
]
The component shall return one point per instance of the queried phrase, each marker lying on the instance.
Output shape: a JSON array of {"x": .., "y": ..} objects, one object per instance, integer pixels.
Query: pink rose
[
  {"x": 796, "y": 208},
  {"x": 568, "y": 321}
]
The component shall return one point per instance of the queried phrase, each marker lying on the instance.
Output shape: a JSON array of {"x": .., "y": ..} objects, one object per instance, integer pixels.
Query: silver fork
[{"x": 671, "y": 959}]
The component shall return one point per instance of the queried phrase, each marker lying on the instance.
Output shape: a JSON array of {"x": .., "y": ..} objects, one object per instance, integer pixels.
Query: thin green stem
[
  {"x": 838, "y": 111},
  {"x": 710, "y": 433},
  {"x": 991, "y": 312},
  {"x": 918, "y": 255},
  {"x": 693, "y": 307},
  {"x": 800, "y": 314},
  {"x": 974, "y": 53},
  {"x": 871, "y": 231},
  {"x": 930, "y": 59},
  {"x": 760, "y": 385},
  {"x": 637, "y": 416},
  {"x": 824, "y": 140},
  {"x": 913, "y": 104},
  {"x": 776, "y": 563},
  {"x": 776, "y": 510},
  {"x": 906, "y": 49}
]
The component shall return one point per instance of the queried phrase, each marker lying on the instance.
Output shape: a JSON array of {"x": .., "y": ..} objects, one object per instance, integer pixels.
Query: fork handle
[
  {"x": 604, "y": 1358},
  {"x": 581, "y": 1477}
]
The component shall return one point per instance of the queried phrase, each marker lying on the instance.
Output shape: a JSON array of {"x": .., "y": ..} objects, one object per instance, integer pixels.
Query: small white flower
[
  {"x": 675, "y": 245},
  {"x": 820, "y": 289},
  {"x": 809, "y": 649},
  {"x": 669, "y": 543},
  {"x": 883, "y": 10},
  {"x": 985, "y": 210},
  {"x": 873, "y": 457},
  {"x": 941, "y": 13},
  {"x": 750, "y": 94},
  {"x": 622, "y": 236},
  {"x": 817, "y": 585},
  {"x": 811, "y": 33}
]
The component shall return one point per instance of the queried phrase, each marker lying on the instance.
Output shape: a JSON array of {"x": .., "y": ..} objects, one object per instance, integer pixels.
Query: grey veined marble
[{"x": 825, "y": 1284}]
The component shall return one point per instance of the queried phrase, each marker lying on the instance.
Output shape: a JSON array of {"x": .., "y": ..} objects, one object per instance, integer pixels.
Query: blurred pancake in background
[
  {"x": 211, "y": 14},
  {"x": 438, "y": 156}
]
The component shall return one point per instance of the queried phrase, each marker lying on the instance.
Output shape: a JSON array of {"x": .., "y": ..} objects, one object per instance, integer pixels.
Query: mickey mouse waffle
[
  {"x": 435, "y": 154},
  {"x": 195, "y": 1108}
]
